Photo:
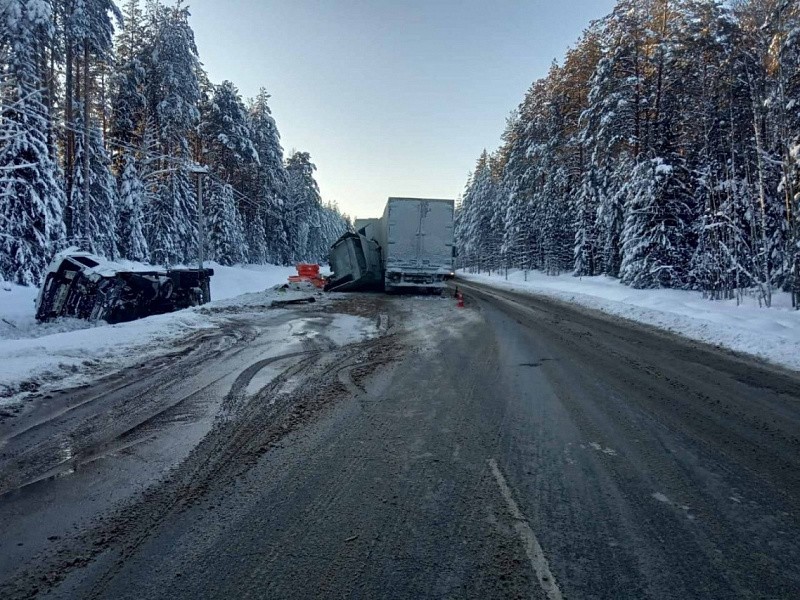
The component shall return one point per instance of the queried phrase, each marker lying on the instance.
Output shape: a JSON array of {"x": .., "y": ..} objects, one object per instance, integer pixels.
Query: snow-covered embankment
[
  {"x": 68, "y": 349},
  {"x": 772, "y": 334}
]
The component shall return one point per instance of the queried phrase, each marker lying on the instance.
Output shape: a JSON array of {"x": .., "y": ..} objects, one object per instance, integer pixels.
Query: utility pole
[{"x": 200, "y": 170}]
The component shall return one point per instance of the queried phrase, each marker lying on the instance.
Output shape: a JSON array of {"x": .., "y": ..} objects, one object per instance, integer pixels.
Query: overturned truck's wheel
[
  {"x": 195, "y": 296},
  {"x": 166, "y": 289}
]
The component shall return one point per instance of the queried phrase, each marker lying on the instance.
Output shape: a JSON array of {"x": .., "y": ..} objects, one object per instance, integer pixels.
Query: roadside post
[{"x": 200, "y": 170}]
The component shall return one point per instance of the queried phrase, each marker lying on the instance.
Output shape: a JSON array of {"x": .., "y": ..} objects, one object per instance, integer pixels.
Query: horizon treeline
[
  {"x": 106, "y": 111},
  {"x": 664, "y": 150}
]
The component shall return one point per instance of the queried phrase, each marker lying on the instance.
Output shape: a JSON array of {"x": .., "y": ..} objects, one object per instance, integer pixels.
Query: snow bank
[
  {"x": 771, "y": 334},
  {"x": 16, "y": 309},
  {"x": 229, "y": 282},
  {"x": 69, "y": 356},
  {"x": 32, "y": 353}
]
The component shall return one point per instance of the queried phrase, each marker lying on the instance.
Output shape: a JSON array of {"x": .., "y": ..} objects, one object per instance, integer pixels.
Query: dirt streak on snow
[{"x": 772, "y": 334}]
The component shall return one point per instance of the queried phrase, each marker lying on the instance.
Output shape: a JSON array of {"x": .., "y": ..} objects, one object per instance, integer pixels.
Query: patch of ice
[
  {"x": 349, "y": 329},
  {"x": 599, "y": 448},
  {"x": 661, "y": 498}
]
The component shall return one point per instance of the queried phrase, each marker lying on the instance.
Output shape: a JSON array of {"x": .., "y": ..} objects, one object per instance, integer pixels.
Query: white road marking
[{"x": 532, "y": 547}]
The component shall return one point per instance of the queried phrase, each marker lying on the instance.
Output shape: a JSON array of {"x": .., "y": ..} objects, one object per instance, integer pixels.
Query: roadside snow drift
[{"x": 772, "y": 334}]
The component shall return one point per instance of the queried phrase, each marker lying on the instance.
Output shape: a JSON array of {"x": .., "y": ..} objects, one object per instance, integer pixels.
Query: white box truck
[{"x": 416, "y": 240}]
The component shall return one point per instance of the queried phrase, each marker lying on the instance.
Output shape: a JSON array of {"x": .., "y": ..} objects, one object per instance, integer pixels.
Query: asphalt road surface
[{"x": 517, "y": 448}]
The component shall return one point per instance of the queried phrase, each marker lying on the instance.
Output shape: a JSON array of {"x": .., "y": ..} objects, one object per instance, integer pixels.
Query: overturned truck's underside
[
  {"x": 356, "y": 264},
  {"x": 84, "y": 286}
]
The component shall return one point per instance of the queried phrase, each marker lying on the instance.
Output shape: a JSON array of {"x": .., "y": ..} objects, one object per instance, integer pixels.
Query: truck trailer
[
  {"x": 356, "y": 264},
  {"x": 415, "y": 236}
]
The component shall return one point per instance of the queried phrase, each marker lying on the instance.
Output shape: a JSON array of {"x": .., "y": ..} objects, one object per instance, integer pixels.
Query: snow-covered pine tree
[
  {"x": 173, "y": 94},
  {"x": 499, "y": 206},
  {"x": 479, "y": 236},
  {"x": 225, "y": 136},
  {"x": 555, "y": 222},
  {"x": 268, "y": 183},
  {"x": 304, "y": 202},
  {"x": 31, "y": 198},
  {"x": 130, "y": 221},
  {"x": 511, "y": 230},
  {"x": 166, "y": 234},
  {"x": 550, "y": 152},
  {"x": 614, "y": 125},
  {"x": 462, "y": 239},
  {"x": 656, "y": 240},
  {"x": 790, "y": 184},
  {"x": 89, "y": 30},
  {"x": 610, "y": 215},
  {"x": 520, "y": 233},
  {"x": 570, "y": 99},
  {"x": 586, "y": 255},
  {"x": 332, "y": 225},
  {"x": 98, "y": 233},
  {"x": 128, "y": 100},
  {"x": 224, "y": 235}
]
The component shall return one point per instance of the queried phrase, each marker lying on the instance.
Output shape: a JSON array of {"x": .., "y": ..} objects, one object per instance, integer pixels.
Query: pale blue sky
[{"x": 390, "y": 98}]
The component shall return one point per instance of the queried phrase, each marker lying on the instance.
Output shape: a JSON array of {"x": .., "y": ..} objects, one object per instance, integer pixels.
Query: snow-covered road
[{"x": 512, "y": 448}]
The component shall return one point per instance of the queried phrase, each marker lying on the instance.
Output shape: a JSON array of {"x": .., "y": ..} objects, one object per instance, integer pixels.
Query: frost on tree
[
  {"x": 480, "y": 230},
  {"x": 312, "y": 226},
  {"x": 304, "y": 201}
]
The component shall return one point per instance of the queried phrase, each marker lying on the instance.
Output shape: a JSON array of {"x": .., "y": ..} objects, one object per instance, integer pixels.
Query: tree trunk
[
  {"x": 44, "y": 83},
  {"x": 103, "y": 104},
  {"x": 69, "y": 151},
  {"x": 762, "y": 198},
  {"x": 86, "y": 149}
]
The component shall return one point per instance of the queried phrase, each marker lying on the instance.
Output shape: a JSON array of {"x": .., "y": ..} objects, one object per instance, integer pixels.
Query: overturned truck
[
  {"x": 409, "y": 248},
  {"x": 84, "y": 286},
  {"x": 356, "y": 264}
]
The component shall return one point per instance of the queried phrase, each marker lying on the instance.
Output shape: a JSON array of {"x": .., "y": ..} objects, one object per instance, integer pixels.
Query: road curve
[{"x": 521, "y": 447}]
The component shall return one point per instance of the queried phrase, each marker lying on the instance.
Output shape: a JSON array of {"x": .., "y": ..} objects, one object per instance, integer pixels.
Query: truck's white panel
[
  {"x": 416, "y": 237},
  {"x": 403, "y": 234}
]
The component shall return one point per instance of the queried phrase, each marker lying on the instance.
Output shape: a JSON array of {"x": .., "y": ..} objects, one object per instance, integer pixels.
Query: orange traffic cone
[{"x": 460, "y": 298}]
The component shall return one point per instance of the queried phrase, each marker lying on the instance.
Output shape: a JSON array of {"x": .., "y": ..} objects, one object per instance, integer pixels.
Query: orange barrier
[{"x": 308, "y": 272}]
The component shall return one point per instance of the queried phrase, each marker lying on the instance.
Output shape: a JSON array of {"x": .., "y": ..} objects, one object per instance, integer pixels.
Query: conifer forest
[
  {"x": 663, "y": 150},
  {"x": 107, "y": 113}
]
